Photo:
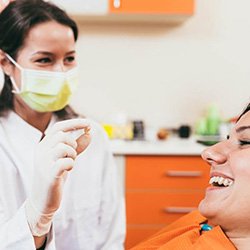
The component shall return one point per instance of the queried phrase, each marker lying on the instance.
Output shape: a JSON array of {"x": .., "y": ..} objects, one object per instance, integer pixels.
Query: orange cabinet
[
  {"x": 169, "y": 7},
  {"x": 160, "y": 189},
  {"x": 128, "y": 10}
]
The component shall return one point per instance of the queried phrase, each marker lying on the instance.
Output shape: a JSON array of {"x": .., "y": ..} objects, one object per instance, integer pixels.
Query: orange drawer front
[
  {"x": 159, "y": 207},
  {"x": 174, "y": 172},
  {"x": 136, "y": 234}
]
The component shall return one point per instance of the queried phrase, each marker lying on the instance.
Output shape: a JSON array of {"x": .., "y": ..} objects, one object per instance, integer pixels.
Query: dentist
[{"x": 58, "y": 188}]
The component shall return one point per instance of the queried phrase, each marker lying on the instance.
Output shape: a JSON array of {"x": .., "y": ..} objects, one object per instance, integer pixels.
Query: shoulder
[
  {"x": 97, "y": 131},
  {"x": 186, "y": 229},
  {"x": 193, "y": 218}
]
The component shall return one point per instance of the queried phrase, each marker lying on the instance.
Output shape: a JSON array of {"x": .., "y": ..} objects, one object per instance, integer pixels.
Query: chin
[{"x": 206, "y": 209}]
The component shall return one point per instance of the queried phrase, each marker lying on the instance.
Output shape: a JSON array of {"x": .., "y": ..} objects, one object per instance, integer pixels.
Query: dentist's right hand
[{"x": 54, "y": 158}]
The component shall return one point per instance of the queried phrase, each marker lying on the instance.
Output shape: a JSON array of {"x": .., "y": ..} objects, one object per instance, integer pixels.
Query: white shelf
[{"x": 172, "y": 146}]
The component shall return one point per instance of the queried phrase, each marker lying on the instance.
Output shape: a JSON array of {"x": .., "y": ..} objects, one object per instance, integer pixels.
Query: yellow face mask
[{"x": 45, "y": 91}]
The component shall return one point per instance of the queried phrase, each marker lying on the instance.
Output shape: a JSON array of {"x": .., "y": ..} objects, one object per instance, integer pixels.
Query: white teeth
[
  {"x": 226, "y": 182},
  {"x": 220, "y": 180}
]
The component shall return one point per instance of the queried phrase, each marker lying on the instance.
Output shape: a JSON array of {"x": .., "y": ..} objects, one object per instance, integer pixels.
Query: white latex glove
[{"x": 54, "y": 157}]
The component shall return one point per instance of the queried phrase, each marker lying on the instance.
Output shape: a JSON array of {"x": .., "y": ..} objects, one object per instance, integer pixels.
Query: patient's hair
[
  {"x": 244, "y": 111},
  {"x": 16, "y": 20}
]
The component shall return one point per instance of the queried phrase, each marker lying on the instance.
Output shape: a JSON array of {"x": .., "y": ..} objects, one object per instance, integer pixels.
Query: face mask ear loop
[
  {"x": 13, "y": 61},
  {"x": 16, "y": 89}
]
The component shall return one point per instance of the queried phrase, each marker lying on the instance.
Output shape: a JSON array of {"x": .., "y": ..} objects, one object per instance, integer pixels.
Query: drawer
[
  {"x": 175, "y": 172},
  {"x": 136, "y": 234},
  {"x": 159, "y": 207}
]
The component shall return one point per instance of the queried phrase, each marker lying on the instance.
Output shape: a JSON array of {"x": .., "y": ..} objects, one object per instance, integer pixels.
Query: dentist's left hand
[{"x": 54, "y": 158}]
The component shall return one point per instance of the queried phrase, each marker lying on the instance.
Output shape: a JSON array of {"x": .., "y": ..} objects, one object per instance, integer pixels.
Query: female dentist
[{"x": 58, "y": 189}]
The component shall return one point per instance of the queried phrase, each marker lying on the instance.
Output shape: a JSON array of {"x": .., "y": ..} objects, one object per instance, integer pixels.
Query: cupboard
[
  {"x": 181, "y": 7},
  {"x": 128, "y": 10},
  {"x": 160, "y": 189}
]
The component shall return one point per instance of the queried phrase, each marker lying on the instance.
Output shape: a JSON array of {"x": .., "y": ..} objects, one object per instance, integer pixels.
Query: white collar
[{"x": 14, "y": 122}]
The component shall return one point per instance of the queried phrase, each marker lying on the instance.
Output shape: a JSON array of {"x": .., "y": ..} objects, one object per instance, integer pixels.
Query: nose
[
  {"x": 216, "y": 154},
  {"x": 59, "y": 67}
]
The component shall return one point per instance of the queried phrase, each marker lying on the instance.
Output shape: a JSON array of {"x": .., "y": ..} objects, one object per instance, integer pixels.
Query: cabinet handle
[
  {"x": 173, "y": 173},
  {"x": 179, "y": 210},
  {"x": 117, "y": 4}
]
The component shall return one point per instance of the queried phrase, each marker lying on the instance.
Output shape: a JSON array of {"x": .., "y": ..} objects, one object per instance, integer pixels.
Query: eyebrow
[
  {"x": 50, "y": 54},
  {"x": 242, "y": 128}
]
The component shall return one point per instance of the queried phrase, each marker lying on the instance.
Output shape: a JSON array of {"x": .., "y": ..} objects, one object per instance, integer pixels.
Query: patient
[{"x": 223, "y": 219}]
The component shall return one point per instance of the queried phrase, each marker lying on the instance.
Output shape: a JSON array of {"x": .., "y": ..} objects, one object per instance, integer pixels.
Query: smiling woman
[{"x": 223, "y": 219}]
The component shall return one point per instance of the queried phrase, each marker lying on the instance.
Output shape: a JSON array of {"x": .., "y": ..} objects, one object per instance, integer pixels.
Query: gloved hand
[{"x": 54, "y": 158}]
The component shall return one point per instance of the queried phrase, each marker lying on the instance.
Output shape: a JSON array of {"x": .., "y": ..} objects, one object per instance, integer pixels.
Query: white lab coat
[
  {"x": 1, "y": 80},
  {"x": 92, "y": 213}
]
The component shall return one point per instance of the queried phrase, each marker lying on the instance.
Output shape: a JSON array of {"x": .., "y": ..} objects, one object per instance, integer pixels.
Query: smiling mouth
[{"x": 219, "y": 181}]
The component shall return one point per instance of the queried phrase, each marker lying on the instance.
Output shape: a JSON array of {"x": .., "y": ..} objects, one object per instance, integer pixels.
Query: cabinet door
[{"x": 182, "y": 7}]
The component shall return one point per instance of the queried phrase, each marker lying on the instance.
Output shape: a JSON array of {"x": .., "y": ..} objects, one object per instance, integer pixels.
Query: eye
[
  {"x": 70, "y": 59},
  {"x": 228, "y": 137},
  {"x": 243, "y": 142},
  {"x": 43, "y": 60}
]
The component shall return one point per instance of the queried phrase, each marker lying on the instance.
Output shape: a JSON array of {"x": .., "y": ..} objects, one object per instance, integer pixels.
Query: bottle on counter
[
  {"x": 138, "y": 130},
  {"x": 210, "y": 123},
  {"x": 213, "y": 120},
  {"x": 119, "y": 127}
]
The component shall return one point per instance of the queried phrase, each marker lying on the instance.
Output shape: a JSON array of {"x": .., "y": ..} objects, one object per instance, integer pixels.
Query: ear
[
  {"x": 3, "y": 4},
  {"x": 5, "y": 64}
]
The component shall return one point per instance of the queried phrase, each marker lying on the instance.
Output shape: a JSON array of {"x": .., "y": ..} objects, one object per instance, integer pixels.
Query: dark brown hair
[
  {"x": 16, "y": 20},
  {"x": 244, "y": 112}
]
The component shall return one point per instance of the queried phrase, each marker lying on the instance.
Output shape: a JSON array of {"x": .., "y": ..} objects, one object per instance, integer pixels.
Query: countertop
[{"x": 171, "y": 146}]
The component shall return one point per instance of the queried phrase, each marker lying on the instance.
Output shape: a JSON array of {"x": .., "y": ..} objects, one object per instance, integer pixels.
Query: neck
[
  {"x": 239, "y": 237},
  {"x": 241, "y": 243},
  {"x": 36, "y": 119}
]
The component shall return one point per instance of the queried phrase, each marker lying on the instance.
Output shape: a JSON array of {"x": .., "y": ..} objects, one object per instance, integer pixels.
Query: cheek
[
  {"x": 17, "y": 77},
  {"x": 240, "y": 165}
]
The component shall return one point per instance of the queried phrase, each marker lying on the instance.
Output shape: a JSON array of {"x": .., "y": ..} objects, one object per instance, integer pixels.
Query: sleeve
[
  {"x": 15, "y": 233},
  {"x": 112, "y": 227}
]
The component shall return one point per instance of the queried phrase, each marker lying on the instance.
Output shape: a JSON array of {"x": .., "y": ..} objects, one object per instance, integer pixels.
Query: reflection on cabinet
[{"x": 160, "y": 189}]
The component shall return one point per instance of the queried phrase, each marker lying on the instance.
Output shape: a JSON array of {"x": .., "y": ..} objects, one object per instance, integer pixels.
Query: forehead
[
  {"x": 244, "y": 123},
  {"x": 49, "y": 36}
]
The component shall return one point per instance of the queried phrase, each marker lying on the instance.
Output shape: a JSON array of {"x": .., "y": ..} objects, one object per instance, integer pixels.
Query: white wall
[{"x": 167, "y": 75}]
